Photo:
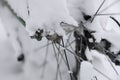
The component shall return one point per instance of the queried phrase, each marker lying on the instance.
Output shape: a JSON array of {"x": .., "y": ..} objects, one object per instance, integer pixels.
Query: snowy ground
[{"x": 10, "y": 69}]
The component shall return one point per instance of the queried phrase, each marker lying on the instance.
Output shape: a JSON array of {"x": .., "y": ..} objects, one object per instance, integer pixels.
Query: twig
[
  {"x": 58, "y": 63},
  {"x": 18, "y": 17},
  {"x": 108, "y": 14},
  {"x": 67, "y": 60},
  {"x": 112, "y": 66},
  {"x": 115, "y": 20},
  {"x": 27, "y": 3},
  {"x": 98, "y": 10},
  {"x": 112, "y": 4},
  {"x": 44, "y": 63},
  {"x": 102, "y": 73}
]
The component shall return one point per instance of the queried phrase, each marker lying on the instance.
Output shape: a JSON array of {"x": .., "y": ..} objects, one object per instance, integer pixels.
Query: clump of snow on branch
[
  {"x": 44, "y": 14},
  {"x": 48, "y": 16}
]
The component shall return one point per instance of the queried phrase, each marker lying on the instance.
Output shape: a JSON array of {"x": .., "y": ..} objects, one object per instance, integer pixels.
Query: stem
[
  {"x": 115, "y": 20},
  {"x": 98, "y": 10},
  {"x": 71, "y": 76}
]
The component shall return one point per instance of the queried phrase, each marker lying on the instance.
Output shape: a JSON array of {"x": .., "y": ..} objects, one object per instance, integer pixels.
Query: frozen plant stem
[
  {"x": 97, "y": 10},
  {"x": 17, "y": 17},
  {"x": 71, "y": 76},
  {"x": 58, "y": 62},
  {"x": 45, "y": 61},
  {"x": 108, "y": 14},
  {"x": 59, "y": 52},
  {"x": 102, "y": 73},
  {"x": 27, "y": 3},
  {"x": 77, "y": 57},
  {"x": 112, "y": 66},
  {"x": 115, "y": 20},
  {"x": 109, "y": 6}
]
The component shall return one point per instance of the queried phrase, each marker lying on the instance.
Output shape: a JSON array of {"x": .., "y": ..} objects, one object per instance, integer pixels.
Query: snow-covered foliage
[
  {"x": 51, "y": 14},
  {"x": 42, "y": 59},
  {"x": 35, "y": 61}
]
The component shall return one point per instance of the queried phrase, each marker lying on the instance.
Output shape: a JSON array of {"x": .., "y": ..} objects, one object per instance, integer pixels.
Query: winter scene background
[{"x": 59, "y": 39}]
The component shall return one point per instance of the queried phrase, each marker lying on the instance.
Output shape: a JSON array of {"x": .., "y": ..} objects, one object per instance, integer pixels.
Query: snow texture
[
  {"x": 47, "y": 15},
  {"x": 50, "y": 15}
]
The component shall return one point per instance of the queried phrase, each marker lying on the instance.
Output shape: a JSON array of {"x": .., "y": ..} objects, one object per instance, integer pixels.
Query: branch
[
  {"x": 21, "y": 20},
  {"x": 115, "y": 20}
]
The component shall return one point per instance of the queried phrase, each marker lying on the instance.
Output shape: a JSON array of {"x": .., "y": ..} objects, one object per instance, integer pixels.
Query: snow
[
  {"x": 10, "y": 69},
  {"x": 88, "y": 55},
  {"x": 34, "y": 60},
  {"x": 20, "y": 10},
  {"x": 86, "y": 72},
  {"x": 105, "y": 27},
  {"x": 48, "y": 22},
  {"x": 99, "y": 63},
  {"x": 50, "y": 15},
  {"x": 47, "y": 15},
  {"x": 3, "y": 33}
]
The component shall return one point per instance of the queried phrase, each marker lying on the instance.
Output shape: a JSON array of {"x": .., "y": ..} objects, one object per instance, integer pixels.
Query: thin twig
[
  {"x": 44, "y": 64},
  {"x": 78, "y": 58},
  {"x": 108, "y": 14},
  {"x": 41, "y": 47},
  {"x": 115, "y": 20},
  {"x": 112, "y": 4},
  {"x": 59, "y": 52},
  {"x": 67, "y": 60},
  {"x": 20, "y": 19},
  {"x": 71, "y": 46},
  {"x": 58, "y": 63},
  {"x": 98, "y": 10},
  {"x": 112, "y": 65},
  {"x": 28, "y": 10},
  {"x": 102, "y": 73}
]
